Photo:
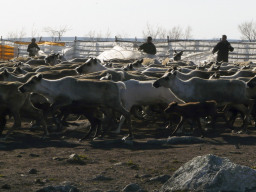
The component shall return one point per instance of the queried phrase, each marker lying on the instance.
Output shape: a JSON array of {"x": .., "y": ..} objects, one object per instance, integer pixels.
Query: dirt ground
[{"x": 109, "y": 166}]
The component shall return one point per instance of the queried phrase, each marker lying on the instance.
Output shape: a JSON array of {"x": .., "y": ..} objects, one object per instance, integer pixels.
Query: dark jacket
[
  {"x": 32, "y": 45},
  {"x": 148, "y": 48},
  {"x": 223, "y": 47}
]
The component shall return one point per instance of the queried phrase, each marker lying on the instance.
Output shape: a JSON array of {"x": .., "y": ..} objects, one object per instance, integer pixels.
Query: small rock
[
  {"x": 45, "y": 181},
  {"x": 237, "y": 146},
  {"x": 19, "y": 156},
  {"x": 32, "y": 171},
  {"x": 102, "y": 178},
  {"x": 58, "y": 158},
  {"x": 75, "y": 159},
  {"x": 33, "y": 155},
  {"x": 38, "y": 181},
  {"x": 184, "y": 140},
  {"x": 133, "y": 187},
  {"x": 161, "y": 178},
  {"x": 119, "y": 164},
  {"x": 6, "y": 186}
]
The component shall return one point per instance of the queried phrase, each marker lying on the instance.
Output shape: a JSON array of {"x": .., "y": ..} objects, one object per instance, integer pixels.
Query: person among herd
[
  {"x": 32, "y": 48},
  {"x": 148, "y": 47},
  {"x": 223, "y": 48}
]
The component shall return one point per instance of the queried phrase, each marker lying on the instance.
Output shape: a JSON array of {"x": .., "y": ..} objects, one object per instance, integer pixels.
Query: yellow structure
[
  {"x": 6, "y": 52},
  {"x": 41, "y": 43}
]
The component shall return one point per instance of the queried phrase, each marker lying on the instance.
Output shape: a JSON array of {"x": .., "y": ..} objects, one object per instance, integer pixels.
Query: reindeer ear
[
  {"x": 173, "y": 72},
  {"x": 39, "y": 76},
  {"x": 95, "y": 61}
]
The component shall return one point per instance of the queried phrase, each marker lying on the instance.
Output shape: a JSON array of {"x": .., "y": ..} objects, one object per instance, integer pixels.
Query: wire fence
[{"x": 193, "y": 49}]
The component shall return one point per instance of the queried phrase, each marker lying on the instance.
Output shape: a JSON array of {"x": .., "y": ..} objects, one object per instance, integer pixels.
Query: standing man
[
  {"x": 148, "y": 47},
  {"x": 223, "y": 47},
  {"x": 33, "y": 48}
]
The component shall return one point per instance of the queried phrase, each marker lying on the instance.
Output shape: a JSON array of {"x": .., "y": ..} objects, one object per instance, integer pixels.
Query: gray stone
[
  {"x": 75, "y": 159},
  {"x": 119, "y": 164},
  {"x": 66, "y": 188},
  {"x": 184, "y": 140},
  {"x": 133, "y": 187},
  {"x": 210, "y": 173},
  {"x": 58, "y": 158},
  {"x": 102, "y": 178},
  {"x": 32, "y": 171},
  {"x": 160, "y": 178},
  {"x": 33, "y": 155}
]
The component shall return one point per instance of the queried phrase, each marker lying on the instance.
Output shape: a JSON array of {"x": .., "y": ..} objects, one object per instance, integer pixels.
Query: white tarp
[
  {"x": 201, "y": 57},
  {"x": 118, "y": 52}
]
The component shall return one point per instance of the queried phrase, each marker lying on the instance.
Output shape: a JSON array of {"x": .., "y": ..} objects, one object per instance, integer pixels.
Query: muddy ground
[{"x": 109, "y": 166}]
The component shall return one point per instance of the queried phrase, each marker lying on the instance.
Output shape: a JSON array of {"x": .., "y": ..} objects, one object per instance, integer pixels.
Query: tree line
[{"x": 247, "y": 30}]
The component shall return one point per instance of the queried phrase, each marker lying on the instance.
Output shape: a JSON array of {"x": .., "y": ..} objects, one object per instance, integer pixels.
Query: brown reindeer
[{"x": 194, "y": 111}]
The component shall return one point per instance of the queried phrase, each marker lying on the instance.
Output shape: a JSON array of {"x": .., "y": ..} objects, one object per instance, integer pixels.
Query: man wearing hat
[
  {"x": 223, "y": 47},
  {"x": 148, "y": 47},
  {"x": 32, "y": 48}
]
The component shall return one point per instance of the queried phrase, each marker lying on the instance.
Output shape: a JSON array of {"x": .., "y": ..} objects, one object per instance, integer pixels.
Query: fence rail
[{"x": 165, "y": 48}]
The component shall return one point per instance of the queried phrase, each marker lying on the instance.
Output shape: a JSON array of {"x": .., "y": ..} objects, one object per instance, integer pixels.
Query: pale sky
[{"x": 128, "y": 18}]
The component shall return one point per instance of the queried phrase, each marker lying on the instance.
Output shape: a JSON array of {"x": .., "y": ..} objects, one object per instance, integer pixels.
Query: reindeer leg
[
  {"x": 17, "y": 123},
  {"x": 178, "y": 126},
  {"x": 247, "y": 114},
  {"x": 200, "y": 127}
]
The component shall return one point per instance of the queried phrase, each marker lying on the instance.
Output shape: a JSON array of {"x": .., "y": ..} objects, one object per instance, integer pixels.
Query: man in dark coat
[
  {"x": 31, "y": 47},
  {"x": 223, "y": 47},
  {"x": 148, "y": 47}
]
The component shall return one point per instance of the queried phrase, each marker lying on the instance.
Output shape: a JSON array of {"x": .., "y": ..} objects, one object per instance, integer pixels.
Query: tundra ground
[{"x": 109, "y": 165}]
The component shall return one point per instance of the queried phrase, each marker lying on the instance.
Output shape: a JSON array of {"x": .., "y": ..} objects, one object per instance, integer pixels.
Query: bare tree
[
  {"x": 16, "y": 36},
  {"x": 34, "y": 31},
  {"x": 248, "y": 30},
  {"x": 152, "y": 31},
  {"x": 175, "y": 33},
  {"x": 107, "y": 34},
  {"x": 53, "y": 32},
  {"x": 91, "y": 35},
  {"x": 162, "y": 33},
  {"x": 187, "y": 33}
]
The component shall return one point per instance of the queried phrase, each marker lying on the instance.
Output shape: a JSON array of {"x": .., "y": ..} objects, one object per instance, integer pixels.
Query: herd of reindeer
[{"x": 46, "y": 90}]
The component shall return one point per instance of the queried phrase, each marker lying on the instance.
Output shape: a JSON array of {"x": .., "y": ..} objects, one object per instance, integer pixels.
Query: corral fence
[{"x": 195, "y": 49}]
